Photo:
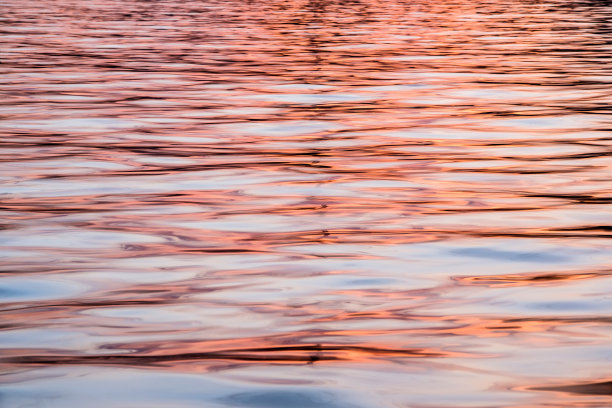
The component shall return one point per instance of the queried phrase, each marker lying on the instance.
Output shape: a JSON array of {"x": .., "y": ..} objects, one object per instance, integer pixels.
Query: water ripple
[{"x": 305, "y": 202}]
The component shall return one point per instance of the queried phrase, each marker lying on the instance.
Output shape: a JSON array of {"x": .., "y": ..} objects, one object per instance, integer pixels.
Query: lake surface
[{"x": 300, "y": 204}]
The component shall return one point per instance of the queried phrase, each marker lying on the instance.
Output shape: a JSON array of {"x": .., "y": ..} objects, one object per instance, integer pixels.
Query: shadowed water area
[{"x": 305, "y": 204}]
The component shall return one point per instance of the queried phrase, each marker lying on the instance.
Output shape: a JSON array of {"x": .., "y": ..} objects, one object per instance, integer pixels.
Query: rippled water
[{"x": 298, "y": 204}]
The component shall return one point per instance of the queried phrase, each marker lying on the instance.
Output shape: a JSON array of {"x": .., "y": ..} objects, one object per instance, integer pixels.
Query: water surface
[{"x": 330, "y": 204}]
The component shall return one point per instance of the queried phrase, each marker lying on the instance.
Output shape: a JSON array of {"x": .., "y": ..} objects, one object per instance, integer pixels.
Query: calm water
[{"x": 300, "y": 204}]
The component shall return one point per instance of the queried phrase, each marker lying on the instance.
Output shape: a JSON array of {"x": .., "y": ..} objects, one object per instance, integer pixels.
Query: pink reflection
[{"x": 419, "y": 188}]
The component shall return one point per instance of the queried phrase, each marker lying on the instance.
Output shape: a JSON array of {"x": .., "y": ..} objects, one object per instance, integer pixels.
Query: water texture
[{"x": 299, "y": 204}]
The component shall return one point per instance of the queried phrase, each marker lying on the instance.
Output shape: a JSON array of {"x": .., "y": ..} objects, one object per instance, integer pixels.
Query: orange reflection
[{"x": 222, "y": 185}]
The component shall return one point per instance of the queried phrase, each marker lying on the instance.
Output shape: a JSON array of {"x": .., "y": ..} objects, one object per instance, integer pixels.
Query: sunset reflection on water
[{"x": 331, "y": 204}]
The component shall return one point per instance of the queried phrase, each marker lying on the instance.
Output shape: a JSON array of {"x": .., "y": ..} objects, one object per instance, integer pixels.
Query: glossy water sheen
[{"x": 300, "y": 204}]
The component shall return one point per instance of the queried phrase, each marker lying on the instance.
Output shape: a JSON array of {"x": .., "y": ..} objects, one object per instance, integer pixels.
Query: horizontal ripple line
[{"x": 307, "y": 353}]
